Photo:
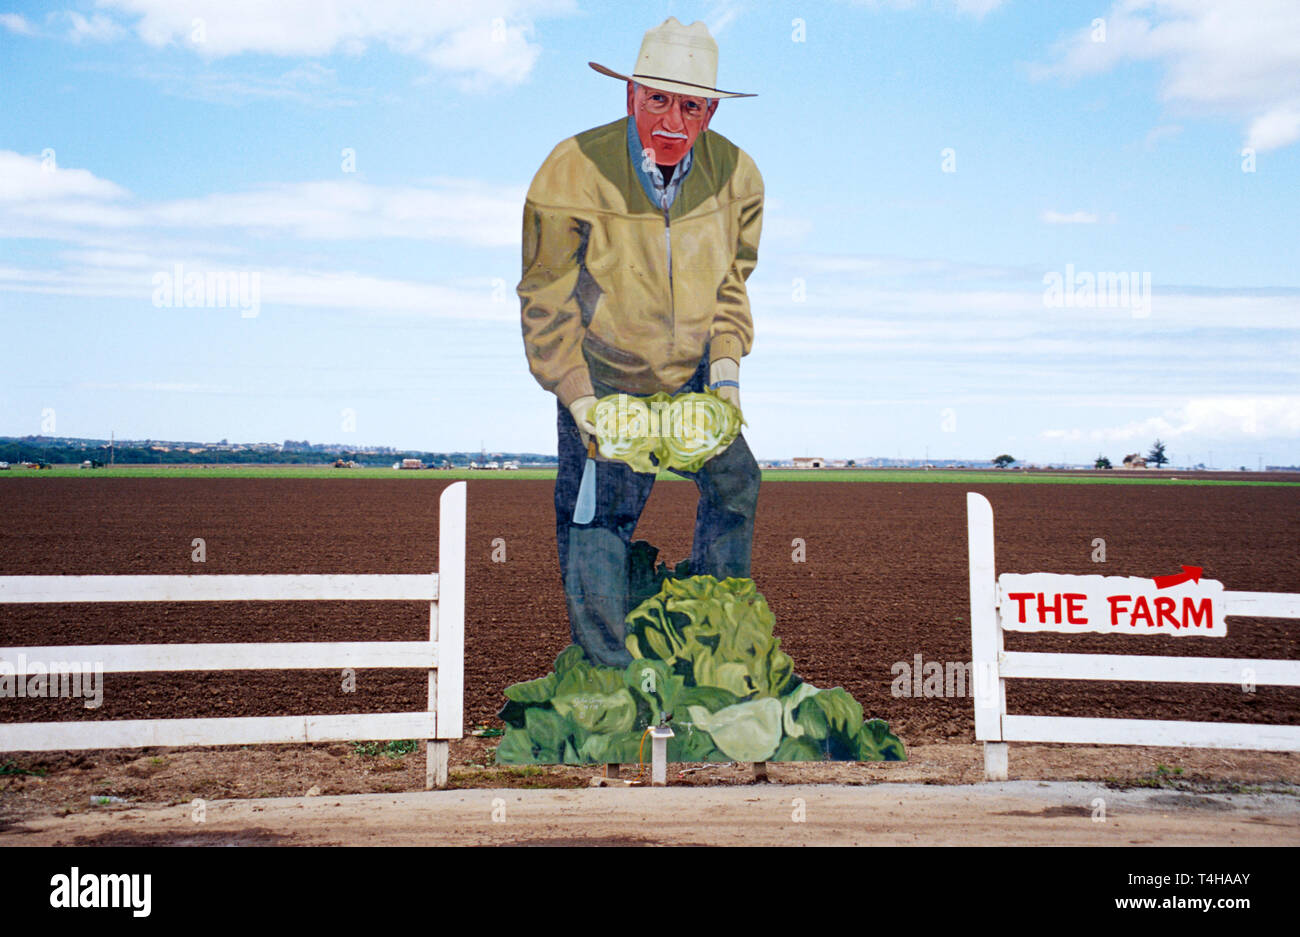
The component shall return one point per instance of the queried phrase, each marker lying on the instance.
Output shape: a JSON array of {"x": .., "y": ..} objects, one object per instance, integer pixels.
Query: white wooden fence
[
  {"x": 442, "y": 655},
  {"x": 992, "y": 666}
]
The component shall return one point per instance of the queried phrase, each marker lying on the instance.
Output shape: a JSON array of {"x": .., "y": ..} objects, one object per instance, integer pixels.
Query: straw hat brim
[{"x": 667, "y": 84}]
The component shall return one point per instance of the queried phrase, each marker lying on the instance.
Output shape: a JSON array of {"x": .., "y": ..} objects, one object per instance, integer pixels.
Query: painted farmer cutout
[{"x": 638, "y": 237}]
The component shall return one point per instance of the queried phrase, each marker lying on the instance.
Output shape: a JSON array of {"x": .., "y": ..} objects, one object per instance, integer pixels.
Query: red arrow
[{"x": 1192, "y": 573}]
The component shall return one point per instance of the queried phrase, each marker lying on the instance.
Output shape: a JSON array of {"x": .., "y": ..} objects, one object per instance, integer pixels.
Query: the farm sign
[{"x": 1110, "y": 605}]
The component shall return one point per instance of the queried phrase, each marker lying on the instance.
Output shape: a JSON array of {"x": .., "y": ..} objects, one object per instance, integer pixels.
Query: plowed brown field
[{"x": 884, "y": 580}]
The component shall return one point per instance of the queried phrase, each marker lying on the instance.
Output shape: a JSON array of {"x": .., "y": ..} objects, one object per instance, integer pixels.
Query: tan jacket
[{"x": 596, "y": 295}]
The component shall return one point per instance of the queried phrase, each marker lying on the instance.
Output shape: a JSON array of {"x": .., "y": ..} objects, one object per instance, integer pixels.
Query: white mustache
[{"x": 671, "y": 136}]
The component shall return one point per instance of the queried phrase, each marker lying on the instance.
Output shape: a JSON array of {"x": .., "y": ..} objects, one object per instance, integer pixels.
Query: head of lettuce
[{"x": 705, "y": 660}]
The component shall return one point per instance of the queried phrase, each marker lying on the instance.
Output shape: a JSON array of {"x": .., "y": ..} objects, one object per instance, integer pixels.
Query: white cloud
[
  {"x": 446, "y": 209},
  {"x": 132, "y": 278},
  {"x": 1226, "y": 418},
  {"x": 1164, "y": 131},
  {"x": 1278, "y": 128},
  {"x": 350, "y": 290},
  {"x": 881, "y": 265},
  {"x": 722, "y": 15},
  {"x": 309, "y": 83},
  {"x": 926, "y": 303},
  {"x": 1077, "y": 217},
  {"x": 17, "y": 24},
  {"x": 159, "y": 387},
  {"x": 480, "y": 44},
  {"x": 976, "y": 8},
  {"x": 1234, "y": 57},
  {"x": 483, "y": 54},
  {"x": 68, "y": 203},
  {"x": 96, "y": 28},
  {"x": 39, "y": 179}
]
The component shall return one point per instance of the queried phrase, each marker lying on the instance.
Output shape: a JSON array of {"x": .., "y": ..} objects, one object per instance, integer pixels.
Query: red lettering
[
  {"x": 1116, "y": 609},
  {"x": 1193, "y": 611},
  {"x": 1022, "y": 598},
  {"x": 1073, "y": 607},
  {"x": 1140, "y": 608},
  {"x": 1044, "y": 608},
  {"x": 1165, "y": 611}
]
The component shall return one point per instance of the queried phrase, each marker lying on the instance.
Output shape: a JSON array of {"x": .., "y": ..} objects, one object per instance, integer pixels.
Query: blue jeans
[{"x": 594, "y": 556}]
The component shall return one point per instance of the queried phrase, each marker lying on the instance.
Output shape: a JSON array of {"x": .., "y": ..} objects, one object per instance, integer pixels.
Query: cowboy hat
[{"x": 679, "y": 59}]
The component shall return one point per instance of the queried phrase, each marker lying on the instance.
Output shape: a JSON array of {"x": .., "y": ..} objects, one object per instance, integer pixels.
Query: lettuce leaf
[
  {"x": 516, "y": 748},
  {"x": 877, "y": 743},
  {"x": 594, "y": 699},
  {"x": 547, "y": 728},
  {"x": 745, "y": 732},
  {"x": 627, "y": 429},
  {"x": 534, "y": 691},
  {"x": 788, "y": 705},
  {"x": 798, "y": 749}
]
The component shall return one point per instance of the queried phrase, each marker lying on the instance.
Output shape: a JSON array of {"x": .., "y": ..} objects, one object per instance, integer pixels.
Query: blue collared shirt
[{"x": 653, "y": 181}]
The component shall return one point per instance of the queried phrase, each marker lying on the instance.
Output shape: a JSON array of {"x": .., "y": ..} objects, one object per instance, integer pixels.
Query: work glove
[
  {"x": 581, "y": 411},
  {"x": 727, "y": 372}
]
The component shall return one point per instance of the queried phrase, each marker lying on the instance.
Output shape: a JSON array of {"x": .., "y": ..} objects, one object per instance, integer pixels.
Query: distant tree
[
  {"x": 1102, "y": 462},
  {"x": 1157, "y": 454},
  {"x": 1003, "y": 460}
]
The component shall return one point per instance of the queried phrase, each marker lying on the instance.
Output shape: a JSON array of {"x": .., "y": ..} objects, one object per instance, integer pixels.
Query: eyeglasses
[{"x": 661, "y": 102}]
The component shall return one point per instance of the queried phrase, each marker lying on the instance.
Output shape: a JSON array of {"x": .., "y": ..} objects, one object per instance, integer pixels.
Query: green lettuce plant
[{"x": 705, "y": 661}]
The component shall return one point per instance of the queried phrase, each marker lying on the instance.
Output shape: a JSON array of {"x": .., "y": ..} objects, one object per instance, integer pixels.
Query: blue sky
[{"x": 930, "y": 168}]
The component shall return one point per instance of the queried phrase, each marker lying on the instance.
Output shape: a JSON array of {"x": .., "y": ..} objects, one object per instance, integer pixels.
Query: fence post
[
  {"x": 986, "y": 637},
  {"x": 447, "y": 630}
]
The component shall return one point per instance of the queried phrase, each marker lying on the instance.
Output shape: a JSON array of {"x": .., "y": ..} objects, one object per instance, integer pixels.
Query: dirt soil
[
  {"x": 884, "y": 580},
  {"x": 1029, "y": 813}
]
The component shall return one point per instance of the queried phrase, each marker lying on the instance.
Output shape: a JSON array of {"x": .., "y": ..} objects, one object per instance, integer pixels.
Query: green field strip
[{"x": 892, "y": 476}]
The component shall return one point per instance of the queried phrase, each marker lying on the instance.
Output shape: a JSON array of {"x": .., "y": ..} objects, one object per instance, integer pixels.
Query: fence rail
[
  {"x": 164, "y": 658},
  {"x": 442, "y": 656},
  {"x": 269, "y": 588}
]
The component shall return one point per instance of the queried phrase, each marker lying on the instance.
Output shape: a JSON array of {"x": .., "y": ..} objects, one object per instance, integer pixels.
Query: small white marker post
[{"x": 659, "y": 737}]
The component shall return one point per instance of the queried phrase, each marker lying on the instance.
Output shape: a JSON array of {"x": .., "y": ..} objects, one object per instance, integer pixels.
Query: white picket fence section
[
  {"x": 992, "y": 666},
  {"x": 443, "y": 655}
]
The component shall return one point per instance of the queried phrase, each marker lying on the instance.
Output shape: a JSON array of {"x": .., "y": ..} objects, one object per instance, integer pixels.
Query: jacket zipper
[{"x": 668, "y": 248}]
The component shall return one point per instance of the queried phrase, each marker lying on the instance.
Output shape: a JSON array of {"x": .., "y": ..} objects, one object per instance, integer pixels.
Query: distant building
[
  {"x": 809, "y": 462},
  {"x": 1134, "y": 461}
]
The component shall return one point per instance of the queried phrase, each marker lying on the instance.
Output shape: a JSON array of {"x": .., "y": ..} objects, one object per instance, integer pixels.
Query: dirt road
[{"x": 1023, "y": 813}]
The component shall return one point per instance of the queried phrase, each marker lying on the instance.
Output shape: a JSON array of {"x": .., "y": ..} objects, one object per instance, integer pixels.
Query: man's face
[{"x": 668, "y": 123}]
